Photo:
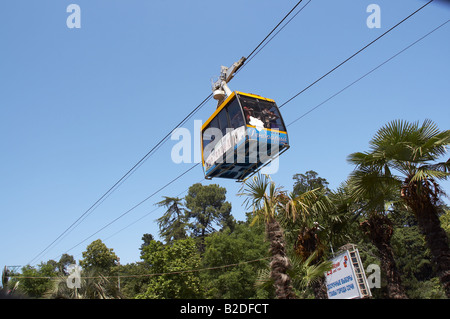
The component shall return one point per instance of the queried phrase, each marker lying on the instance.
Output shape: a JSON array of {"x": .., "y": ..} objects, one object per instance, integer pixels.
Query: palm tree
[
  {"x": 267, "y": 201},
  {"x": 375, "y": 196},
  {"x": 404, "y": 156},
  {"x": 308, "y": 229},
  {"x": 339, "y": 222},
  {"x": 379, "y": 229}
]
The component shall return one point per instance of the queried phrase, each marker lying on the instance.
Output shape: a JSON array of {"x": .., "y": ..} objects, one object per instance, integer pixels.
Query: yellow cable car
[{"x": 244, "y": 134}]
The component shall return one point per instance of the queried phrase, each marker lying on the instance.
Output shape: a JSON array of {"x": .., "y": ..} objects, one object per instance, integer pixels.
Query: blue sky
[{"x": 79, "y": 107}]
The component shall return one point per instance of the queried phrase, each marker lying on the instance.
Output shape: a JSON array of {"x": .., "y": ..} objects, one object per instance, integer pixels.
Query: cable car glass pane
[
  {"x": 235, "y": 114},
  {"x": 208, "y": 135},
  {"x": 223, "y": 121},
  {"x": 264, "y": 111}
]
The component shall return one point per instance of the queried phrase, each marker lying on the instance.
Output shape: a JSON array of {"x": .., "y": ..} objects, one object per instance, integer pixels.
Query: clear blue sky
[{"x": 79, "y": 107}]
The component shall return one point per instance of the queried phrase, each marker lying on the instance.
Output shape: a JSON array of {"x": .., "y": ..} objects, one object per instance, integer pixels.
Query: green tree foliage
[
  {"x": 98, "y": 278},
  {"x": 376, "y": 198},
  {"x": 35, "y": 281},
  {"x": 171, "y": 266},
  {"x": 64, "y": 262},
  {"x": 147, "y": 238},
  {"x": 305, "y": 232},
  {"x": 98, "y": 257},
  {"x": 323, "y": 218},
  {"x": 134, "y": 278},
  {"x": 309, "y": 181},
  {"x": 207, "y": 210},
  {"x": 413, "y": 257},
  {"x": 445, "y": 219},
  {"x": 230, "y": 248}
]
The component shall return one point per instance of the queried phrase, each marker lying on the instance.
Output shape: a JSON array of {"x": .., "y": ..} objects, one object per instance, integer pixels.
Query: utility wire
[
  {"x": 179, "y": 272},
  {"x": 139, "y": 164},
  {"x": 255, "y": 50},
  {"x": 144, "y": 216},
  {"x": 124, "y": 177},
  {"x": 134, "y": 222},
  {"x": 354, "y": 54},
  {"x": 132, "y": 208},
  {"x": 163, "y": 140},
  {"x": 362, "y": 77}
]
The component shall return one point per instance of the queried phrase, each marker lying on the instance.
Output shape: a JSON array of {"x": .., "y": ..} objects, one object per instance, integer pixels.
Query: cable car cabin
[{"x": 244, "y": 133}]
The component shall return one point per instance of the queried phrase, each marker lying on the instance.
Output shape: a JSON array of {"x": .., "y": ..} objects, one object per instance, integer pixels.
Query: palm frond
[
  {"x": 254, "y": 189},
  {"x": 394, "y": 132},
  {"x": 404, "y": 141},
  {"x": 441, "y": 166},
  {"x": 424, "y": 173},
  {"x": 263, "y": 279},
  {"x": 373, "y": 188},
  {"x": 262, "y": 196},
  {"x": 305, "y": 273}
]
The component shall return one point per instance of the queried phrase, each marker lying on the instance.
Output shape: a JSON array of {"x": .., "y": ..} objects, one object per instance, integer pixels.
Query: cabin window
[
  {"x": 208, "y": 135},
  {"x": 235, "y": 114},
  {"x": 265, "y": 111},
  {"x": 223, "y": 121}
]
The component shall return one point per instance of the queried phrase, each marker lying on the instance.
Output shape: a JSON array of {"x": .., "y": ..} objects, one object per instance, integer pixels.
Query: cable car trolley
[{"x": 245, "y": 133}]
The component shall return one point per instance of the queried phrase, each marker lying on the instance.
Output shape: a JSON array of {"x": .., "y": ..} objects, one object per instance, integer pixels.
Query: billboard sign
[{"x": 341, "y": 279}]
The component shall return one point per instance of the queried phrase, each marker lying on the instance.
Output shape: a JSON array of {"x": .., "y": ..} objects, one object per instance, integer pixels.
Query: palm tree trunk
[
  {"x": 437, "y": 241},
  {"x": 422, "y": 198},
  {"x": 279, "y": 263},
  {"x": 307, "y": 243},
  {"x": 379, "y": 229},
  {"x": 320, "y": 289}
]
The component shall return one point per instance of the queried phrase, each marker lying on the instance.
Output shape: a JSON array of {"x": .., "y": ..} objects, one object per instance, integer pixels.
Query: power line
[
  {"x": 256, "y": 51},
  {"x": 124, "y": 177},
  {"x": 178, "y": 272},
  {"x": 142, "y": 161},
  {"x": 374, "y": 69},
  {"x": 144, "y": 216},
  {"x": 162, "y": 141},
  {"x": 133, "y": 208},
  {"x": 354, "y": 54},
  {"x": 132, "y": 223}
]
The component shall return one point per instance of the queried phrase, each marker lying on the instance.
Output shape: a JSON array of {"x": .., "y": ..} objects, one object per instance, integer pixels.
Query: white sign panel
[{"x": 341, "y": 280}]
